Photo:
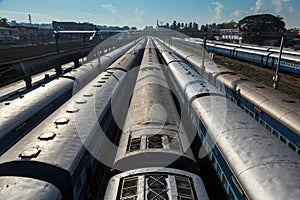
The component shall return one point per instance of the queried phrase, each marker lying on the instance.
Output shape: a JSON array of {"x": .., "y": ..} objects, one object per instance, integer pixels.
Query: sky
[{"x": 140, "y": 13}]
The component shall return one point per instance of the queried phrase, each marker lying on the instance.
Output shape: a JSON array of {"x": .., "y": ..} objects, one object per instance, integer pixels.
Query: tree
[
  {"x": 174, "y": 25},
  {"x": 195, "y": 26},
  {"x": 178, "y": 26},
  {"x": 228, "y": 25},
  {"x": 258, "y": 28},
  {"x": 182, "y": 25},
  {"x": 190, "y": 26},
  {"x": 4, "y": 22}
]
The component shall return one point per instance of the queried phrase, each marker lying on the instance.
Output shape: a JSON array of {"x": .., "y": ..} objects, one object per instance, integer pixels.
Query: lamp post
[
  {"x": 203, "y": 52},
  {"x": 276, "y": 77},
  {"x": 56, "y": 34}
]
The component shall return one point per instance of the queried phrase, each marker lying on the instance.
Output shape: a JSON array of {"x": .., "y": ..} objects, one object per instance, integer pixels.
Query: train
[
  {"x": 154, "y": 159},
  {"x": 290, "y": 60},
  {"x": 59, "y": 159},
  {"x": 106, "y": 143},
  {"x": 276, "y": 111},
  {"x": 155, "y": 183},
  {"x": 250, "y": 162},
  {"x": 21, "y": 113}
]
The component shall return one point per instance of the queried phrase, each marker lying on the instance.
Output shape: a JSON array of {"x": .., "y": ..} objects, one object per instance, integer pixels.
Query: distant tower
[{"x": 29, "y": 18}]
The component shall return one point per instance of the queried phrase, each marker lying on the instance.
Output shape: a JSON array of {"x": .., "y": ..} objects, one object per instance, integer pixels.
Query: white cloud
[
  {"x": 139, "y": 13},
  {"x": 218, "y": 11},
  {"x": 278, "y": 4},
  {"x": 291, "y": 9},
  {"x": 257, "y": 7},
  {"x": 237, "y": 13},
  {"x": 109, "y": 7}
]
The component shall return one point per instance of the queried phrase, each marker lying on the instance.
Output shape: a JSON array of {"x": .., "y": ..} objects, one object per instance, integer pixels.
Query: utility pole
[
  {"x": 276, "y": 77},
  {"x": 203, "y": 52},
  {"x": 29, "y": 18},
  {"x": 56, "y": 35}
]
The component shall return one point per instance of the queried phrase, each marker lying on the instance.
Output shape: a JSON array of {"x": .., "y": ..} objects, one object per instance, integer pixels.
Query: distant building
[
  {"x": 149, "y": 28},
  {"x": 293, "y": 38},
  {"x": 14, "y": 23},
  {"x": 8, "y": 34},
  {"x": 231, "y": 34},
  {"x": 73, "y": 26},
  {"x": 33, "y": 34}
]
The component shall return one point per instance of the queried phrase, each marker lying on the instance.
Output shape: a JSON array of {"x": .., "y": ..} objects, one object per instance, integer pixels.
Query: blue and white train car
[
  {"x": 287, "y": 62},
  {"x": 254, "y": 56},
  {"x": 225, "y": 50}
]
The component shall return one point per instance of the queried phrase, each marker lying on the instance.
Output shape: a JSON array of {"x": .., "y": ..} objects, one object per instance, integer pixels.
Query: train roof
[
  {"x": 259, "y": 48},
  {"x": 16, "y": 112},
  {"x": 225, "y": 47},
  {"x": 285, "y": 56},
  {"x": 62, "y": 129},
  {"x": 285, "y": 51},
  {"x": 170, "y": 184},
  {"x": 264, "y": 53},
  {"x": 279, "y": 106},
  {"x": 16, "y": 188},
  {"x": 253, "y": 154}
]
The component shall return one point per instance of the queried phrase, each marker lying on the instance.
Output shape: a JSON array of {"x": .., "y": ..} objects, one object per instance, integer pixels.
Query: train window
[
  {"x": 268, "y": 127},
  {"x": 154, "y": 141},
  {"x": 218, "y": 170},
  {"x": 251, "y": 114},
  {"x": 262, "y": 122},
  {"x": 20, "y": 127},
  {"x": 292, "y": 146},
  {"x": 184, "y": 188},
  {"x": 129, "y": 188},
  {"x": 157, "y": 187},
  {"x": 135, "y": 144},
  {"x": 213, "y": 160},
  {"x": 282, "y": 139},
  {"x": 275, "y": 133},
  {"x": 231, "y": 195},
  {"x": 224, "y": 181},
  {"x": 256, "y": 117}
]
